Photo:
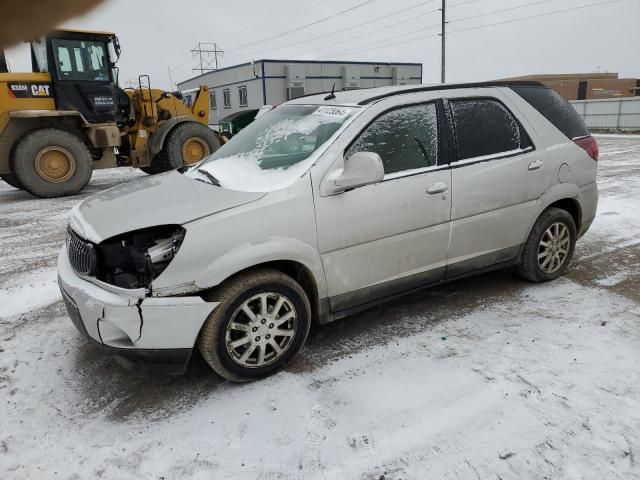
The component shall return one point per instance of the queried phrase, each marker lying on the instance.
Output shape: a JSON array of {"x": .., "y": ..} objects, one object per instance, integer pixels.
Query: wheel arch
[
  {"x": 570, "y": 205},
  {"x": 565, "y": 196},
  {"x": 297, "y": 270},
  {"x": 157, "y": 140}
]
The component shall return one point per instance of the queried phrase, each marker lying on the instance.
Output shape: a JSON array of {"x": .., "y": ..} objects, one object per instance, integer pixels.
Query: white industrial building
[{"x": 271, "y": 82}]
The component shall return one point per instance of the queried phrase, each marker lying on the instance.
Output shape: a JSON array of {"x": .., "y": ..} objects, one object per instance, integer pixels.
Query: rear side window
[
  {"x": 485, "y": 127},
  {"x": 555, "y": 109},
  {"x": 405, "y": 138}
]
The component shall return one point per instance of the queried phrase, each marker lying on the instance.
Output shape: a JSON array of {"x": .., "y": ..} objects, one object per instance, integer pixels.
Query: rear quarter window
[{"x": 555, "y": 109}]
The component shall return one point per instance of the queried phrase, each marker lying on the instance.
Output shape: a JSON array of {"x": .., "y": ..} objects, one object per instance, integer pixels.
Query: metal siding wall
[
  {"x": 276, "y": 91},
  {"x": 230, "y": 78},
  {"x": 616, "y": 114},
  {"x": 320, "y": 78}
]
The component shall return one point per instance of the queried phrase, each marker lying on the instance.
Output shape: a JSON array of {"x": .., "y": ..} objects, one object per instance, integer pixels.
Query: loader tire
[
  {"x": 12, "y": 180},
  {"x": 187, "y": 144},
  {"x": 51, "y": 163},
  {"x": 149, "y": 170}
]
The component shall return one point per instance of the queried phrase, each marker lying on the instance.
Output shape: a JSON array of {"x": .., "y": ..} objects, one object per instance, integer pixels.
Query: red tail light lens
[{"x": 589, "y": 145}]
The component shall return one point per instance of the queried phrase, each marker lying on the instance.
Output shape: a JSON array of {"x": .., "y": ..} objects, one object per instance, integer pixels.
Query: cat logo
[
  {"x": 40, "y": 90},
  {"x": 29, "y": 90}
]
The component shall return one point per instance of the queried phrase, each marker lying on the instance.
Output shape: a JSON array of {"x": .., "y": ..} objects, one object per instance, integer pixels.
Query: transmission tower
[{"x": 207, "y": 54}]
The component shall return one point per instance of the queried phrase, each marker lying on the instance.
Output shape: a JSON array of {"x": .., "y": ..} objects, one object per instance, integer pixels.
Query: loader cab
[{"x": 82, "y": 68}]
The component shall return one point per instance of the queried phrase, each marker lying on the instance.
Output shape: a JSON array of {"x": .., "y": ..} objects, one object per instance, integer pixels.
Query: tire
[
  {"x": 214, "y": 341},
  {"x": 51, "y": 163},
  {"x": 12, "y": 180},
  {"x": 173, "y": 154},
  {"x": 148, "y": 170},
  {"x": 545, "y": 262}
]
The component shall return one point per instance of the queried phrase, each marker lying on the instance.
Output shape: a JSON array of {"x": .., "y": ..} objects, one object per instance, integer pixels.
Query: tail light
[{"x": 589, "y": 145}]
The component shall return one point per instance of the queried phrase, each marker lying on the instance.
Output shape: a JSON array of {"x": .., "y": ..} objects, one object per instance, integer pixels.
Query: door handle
[
  {"x": 436, "y": 188},
  {"x": 535, "y": 165}
]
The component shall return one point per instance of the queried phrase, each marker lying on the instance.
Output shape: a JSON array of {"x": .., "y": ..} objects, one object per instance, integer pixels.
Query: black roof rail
[{"x": 455, "y": 86}]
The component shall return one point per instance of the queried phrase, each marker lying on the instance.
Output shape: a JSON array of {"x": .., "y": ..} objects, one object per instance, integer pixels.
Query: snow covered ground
[{"x": 485, "y": 378}]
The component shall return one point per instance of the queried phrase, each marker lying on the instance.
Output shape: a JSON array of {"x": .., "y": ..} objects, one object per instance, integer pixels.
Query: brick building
[{"x": 588, "y": 86}]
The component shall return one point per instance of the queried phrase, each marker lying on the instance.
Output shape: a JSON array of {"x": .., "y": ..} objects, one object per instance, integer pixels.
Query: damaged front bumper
[{"x": 161, "y": 331}]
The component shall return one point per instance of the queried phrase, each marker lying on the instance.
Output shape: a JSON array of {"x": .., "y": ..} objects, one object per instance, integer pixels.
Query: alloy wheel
[
  {"x": 554, "y": 247},
  {"x": 261, "y": 330}
]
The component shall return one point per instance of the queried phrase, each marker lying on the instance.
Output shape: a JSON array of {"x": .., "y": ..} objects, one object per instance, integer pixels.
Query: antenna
[{"x": 332, "y": 95}]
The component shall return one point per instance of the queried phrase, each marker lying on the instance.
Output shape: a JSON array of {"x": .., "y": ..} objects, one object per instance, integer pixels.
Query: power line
[
  {"x": 581, "y": 7},
  {"x": 369, "y": 33},
  {"x": 297, "y": 29},
  {"x": 350, "y": 27},
  {"x": 554, "y": 12},
  {"x": 422, "y": 29},
  {"x": 383, "y": 42},
  {"x": 311, "y": 5},
  {"x": 439, "y": 24},
  {"x": 270, "y": 26},
  {"x": 501, "y": 11}
]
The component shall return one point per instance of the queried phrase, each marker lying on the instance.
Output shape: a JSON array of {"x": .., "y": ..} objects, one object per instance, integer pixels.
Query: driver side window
[{"x": 405, "y": 138}]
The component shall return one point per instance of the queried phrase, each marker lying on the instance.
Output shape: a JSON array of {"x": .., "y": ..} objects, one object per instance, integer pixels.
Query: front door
[{"x": 382, "y": 239}]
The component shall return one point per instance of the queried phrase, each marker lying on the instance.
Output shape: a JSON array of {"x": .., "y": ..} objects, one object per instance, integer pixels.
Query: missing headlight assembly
[{"x": 134, "y": 259}]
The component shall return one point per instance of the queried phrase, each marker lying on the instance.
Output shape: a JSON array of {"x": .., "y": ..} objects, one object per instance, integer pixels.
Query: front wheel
[
  {"x": 550, "y": 246},
  {"x": 187, "y": 144},
  {"x": 261, "y": 323}
]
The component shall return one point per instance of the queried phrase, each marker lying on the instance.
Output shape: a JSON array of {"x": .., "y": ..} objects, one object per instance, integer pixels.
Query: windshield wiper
[{"x": 214, "y": 180}]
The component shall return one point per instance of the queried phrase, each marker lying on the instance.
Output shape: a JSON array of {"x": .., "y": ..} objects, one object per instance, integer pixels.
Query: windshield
[
  {"x": 274, "y": 150},
  {"x": 80, "y": 60}
]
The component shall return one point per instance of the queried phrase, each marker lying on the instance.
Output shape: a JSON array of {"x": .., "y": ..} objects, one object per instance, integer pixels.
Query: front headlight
[
  {"x": 161, "y": 254},
  {"x": 134, "y": 259}
]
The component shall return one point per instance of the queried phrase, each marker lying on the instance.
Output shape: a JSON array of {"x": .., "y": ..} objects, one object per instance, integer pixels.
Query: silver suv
[{"x": 323, "y": 207}]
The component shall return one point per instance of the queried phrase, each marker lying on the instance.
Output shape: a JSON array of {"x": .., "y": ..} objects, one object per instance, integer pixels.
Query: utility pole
[
  {"x": 443, "y": 70},
  {"x": 208, "y": 56},
  {"x": 170, "y": 79}
]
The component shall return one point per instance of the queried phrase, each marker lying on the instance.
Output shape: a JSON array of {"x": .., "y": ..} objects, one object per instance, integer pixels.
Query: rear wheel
[
  {"x": 261, "y": 323},
  {"x": 550, "y": 246},
  {"x": 187, "y": 144},
  {"x": 51, "y": 163}
]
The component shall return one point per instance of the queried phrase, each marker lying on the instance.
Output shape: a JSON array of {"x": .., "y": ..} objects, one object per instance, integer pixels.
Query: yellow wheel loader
[{"x": 69, "y": 116}]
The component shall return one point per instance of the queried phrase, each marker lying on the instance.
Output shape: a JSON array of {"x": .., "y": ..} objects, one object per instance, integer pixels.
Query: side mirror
[{"x": 362, "y": 168}]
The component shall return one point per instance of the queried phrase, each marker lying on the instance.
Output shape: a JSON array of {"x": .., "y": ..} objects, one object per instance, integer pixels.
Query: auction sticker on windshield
[{"x": 339, "y": 112}]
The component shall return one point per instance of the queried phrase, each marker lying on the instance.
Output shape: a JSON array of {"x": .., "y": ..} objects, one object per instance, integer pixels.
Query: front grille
[{"x": 82, "y": 254}]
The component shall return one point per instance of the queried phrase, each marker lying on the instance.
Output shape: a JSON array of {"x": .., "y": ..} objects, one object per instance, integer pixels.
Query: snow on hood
[{"x": 169, "y": 198}]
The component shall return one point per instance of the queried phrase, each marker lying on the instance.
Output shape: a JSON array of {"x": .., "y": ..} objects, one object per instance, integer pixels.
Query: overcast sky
[{"x": 158, "y": 34}]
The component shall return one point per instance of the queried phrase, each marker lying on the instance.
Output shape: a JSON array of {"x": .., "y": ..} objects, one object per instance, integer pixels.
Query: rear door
[{"x": 497, "y": 175}]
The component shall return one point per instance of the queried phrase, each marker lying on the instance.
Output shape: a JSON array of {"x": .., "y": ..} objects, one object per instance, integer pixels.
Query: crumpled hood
[{"x": 168, "y": 198}]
